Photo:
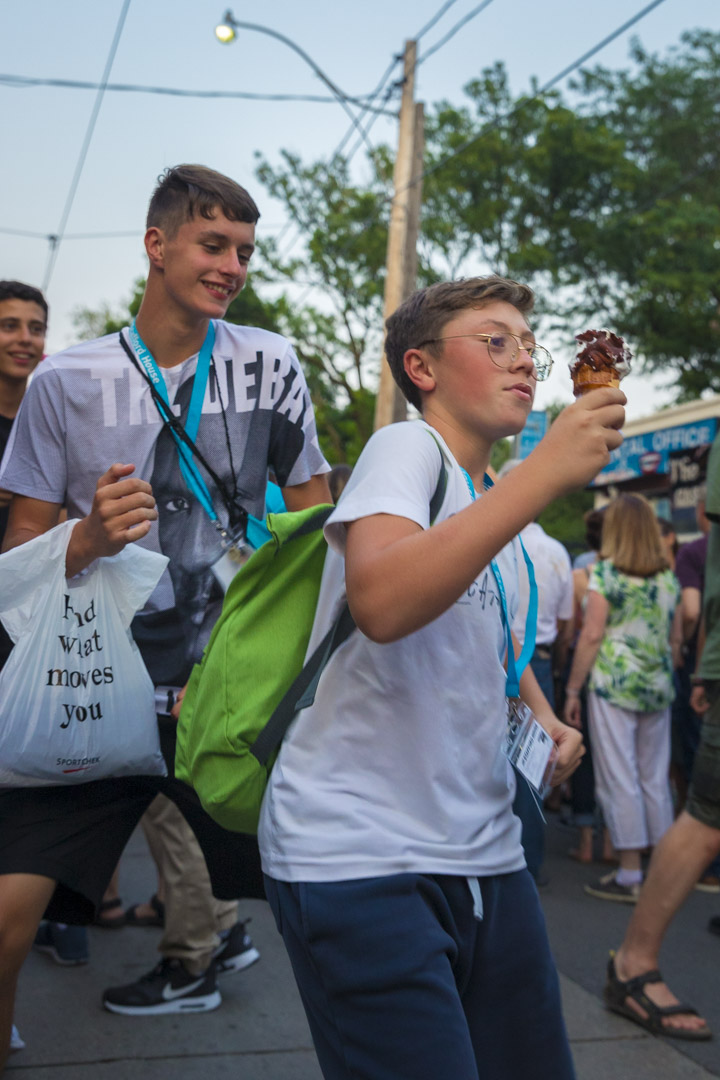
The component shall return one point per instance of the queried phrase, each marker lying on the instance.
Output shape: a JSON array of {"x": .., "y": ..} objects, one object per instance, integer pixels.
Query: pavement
[{"x": 260, "y": 1032}]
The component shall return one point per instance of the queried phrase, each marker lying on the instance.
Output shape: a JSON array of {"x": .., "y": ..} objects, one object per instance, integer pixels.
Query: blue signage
[
  {"x": 534, "y": 431},
  {"x": 644, "y": 455}
]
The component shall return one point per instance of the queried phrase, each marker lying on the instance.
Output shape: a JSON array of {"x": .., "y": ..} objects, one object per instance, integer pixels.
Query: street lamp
[
  {"x": 225, "y": 32},
  {"x": 407, "y": 195}
]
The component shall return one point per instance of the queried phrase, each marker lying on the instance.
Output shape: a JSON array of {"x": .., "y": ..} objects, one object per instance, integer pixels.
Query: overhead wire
[
  {"x": 539, "y": 92},
  {"x": 341, "y": 145},
  {"x": 57, "y": 237},
  {"x": 453, "y": 31},
  {"x": 435, "y": 19},
  {"x": 568, "y": 70},
  {"x": 76, "y": 84},
  {"x": 339, "y": 148},
  {"x": 428, "y": 26},
  {"x": 367, "y": 106}
]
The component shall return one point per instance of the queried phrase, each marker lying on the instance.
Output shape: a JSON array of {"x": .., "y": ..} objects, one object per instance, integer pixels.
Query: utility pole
[{"x": 403, "y": 231}]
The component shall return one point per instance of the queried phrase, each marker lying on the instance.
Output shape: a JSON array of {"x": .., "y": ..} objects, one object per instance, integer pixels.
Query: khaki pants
[{"x": 193, "y": 917}]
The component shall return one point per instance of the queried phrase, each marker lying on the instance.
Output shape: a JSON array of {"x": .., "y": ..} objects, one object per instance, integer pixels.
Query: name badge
[
  {"x": 235, "y": 554},
  {"x": 528, "y": 747}
]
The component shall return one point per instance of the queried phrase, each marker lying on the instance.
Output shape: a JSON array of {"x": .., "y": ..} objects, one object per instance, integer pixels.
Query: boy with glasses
[{"x": 392, "y": 857}]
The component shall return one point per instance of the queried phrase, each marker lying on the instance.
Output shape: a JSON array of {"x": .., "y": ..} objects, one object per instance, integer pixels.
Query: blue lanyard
[
  {"x": 514, "y": 668},
  {"x": 191, "y": 474}
]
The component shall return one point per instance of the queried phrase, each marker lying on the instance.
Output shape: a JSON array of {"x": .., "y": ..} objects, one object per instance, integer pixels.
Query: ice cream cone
[
  {"x": 602, "y": 361},
  {"x": 586, "y": 380}
]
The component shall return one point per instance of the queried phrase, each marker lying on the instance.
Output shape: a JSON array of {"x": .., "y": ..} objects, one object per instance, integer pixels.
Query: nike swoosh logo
[{"x": 169, "y": 994}]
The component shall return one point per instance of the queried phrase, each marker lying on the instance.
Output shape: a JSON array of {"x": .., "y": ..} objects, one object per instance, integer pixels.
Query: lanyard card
[
  {"x": 236, "y": 553},
  {"x": 528, "y": 747}
]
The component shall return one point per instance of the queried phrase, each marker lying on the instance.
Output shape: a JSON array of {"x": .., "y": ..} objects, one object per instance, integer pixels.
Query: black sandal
[
  {"x": 618, "y": 991},
  {"x": 158, "y": 919},
  {"x": 104, "y": 922}
]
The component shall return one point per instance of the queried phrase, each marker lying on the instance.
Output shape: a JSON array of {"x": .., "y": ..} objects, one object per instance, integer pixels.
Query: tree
[
  {"x": 667, "y": 250},
  {"x": 339, "y": 337},
  {"x": 604, "y": 201},
  {"x": 609, "y": 207}
]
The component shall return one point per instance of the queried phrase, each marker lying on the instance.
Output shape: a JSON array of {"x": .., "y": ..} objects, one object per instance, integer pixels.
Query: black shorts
[{"x": 76, "y": 834}]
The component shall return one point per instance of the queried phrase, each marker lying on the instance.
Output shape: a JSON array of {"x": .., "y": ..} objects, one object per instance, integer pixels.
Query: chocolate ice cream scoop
[{"x": 603, "y": 360}]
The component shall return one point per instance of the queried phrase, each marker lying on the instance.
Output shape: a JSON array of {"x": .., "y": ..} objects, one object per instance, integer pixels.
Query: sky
[{"x": 171, "y": 43}]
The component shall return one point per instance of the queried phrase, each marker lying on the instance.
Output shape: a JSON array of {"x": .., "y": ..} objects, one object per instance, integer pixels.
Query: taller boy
[{"x": 91, "y": 414}]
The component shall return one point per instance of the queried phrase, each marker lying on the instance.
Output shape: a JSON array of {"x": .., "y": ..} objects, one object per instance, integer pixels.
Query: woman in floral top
[{"x": 629, "y": 643}]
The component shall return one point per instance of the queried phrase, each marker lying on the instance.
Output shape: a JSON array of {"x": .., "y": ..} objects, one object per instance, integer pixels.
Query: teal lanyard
[
  {"x": 191, "y": 474},
  {"x": 515, "y": 668}
]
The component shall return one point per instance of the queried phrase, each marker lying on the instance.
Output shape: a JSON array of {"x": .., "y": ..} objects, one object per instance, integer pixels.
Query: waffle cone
[{"x": 587, "y": 379}]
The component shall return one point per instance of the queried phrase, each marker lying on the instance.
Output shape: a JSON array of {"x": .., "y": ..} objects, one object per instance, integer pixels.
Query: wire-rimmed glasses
[{"x": 504, "y": 349}]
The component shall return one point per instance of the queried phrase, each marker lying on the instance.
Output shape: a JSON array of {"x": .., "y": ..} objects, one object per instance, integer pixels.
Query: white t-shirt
[
  {"x": 89, "y": 407},
  {"x": 553, "y": 574},
  {"x": 397, "y": 766}
]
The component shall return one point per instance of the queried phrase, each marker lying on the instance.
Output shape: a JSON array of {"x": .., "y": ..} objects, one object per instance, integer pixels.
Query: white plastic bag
[{"x": 76, "y": 701}]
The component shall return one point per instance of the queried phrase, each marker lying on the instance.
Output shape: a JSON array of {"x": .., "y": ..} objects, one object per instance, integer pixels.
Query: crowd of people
[{"x": 401, "y": 829}]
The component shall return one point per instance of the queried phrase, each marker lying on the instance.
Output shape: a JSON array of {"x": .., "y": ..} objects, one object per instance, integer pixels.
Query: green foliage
[
  {"x": 500, "y": 453},
  {"x": 605, "y": 202},
  {"x": 608, "y": 208},
  {"x": 91, "y": 324},
  {"x": 664, "y": 249},
  {"x": 339, "y": 338},
  {"x": 563, "y": 519}
]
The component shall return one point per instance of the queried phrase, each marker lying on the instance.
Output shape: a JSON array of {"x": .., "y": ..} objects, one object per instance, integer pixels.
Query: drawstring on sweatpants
[{"x": 474, "y": 886}]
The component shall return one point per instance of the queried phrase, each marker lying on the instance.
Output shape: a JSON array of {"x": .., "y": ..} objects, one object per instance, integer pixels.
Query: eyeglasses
[{"x": 504, "y": 349}]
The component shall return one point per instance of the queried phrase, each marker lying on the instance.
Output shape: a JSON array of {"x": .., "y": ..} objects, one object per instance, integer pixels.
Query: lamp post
[
  {"x": 225, "y": 32},
  {"x": 406, "y": 202},
  {"x": 401, "y": 264}
]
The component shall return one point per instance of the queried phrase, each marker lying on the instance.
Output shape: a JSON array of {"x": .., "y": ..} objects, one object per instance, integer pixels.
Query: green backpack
[{"x": 242, "y": 697}]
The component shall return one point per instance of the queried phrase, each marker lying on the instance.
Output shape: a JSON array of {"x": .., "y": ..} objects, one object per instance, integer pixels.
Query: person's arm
[
  {"x": 591, "y": 635},
  {"x": 568, "y": 742},
  {"x": 562, "y": 644},
  {"x": 691, "y": 609},
  {"x": 123, "y": 510},
  {"x": 698, "y": 698},
  {"x": 676, "y": 637},
  {"x": 313, "y": 492},
  {"x": 401, "y": 577},
  {"x": 27, "y": 519}
]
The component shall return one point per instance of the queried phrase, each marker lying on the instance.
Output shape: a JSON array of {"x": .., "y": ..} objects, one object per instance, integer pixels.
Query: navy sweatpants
[{"x": 400, "y": 981}]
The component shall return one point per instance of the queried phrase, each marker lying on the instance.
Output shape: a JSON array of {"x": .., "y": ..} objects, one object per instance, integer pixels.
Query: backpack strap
[
  {"x": 302, "y": 692},
  {"x": 441, "y": 488}
]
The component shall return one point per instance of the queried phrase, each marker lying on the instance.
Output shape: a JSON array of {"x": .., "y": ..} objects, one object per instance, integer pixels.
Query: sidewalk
[{"x": 259, "y": 1033}]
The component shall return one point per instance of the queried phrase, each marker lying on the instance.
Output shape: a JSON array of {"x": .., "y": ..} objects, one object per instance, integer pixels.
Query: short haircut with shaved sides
[
  {"x": 422, "y": 317},
  {"x": 189, "y": 191}
]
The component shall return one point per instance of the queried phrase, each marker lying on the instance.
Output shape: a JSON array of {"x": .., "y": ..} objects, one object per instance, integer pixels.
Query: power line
[
  {"x": 338, "y": 149},
  {"x": 436, "y": 18},
  {"x": 538, "y": 93},
  {"x": 56, "y": 240},
  {"x": 451, "y": 33},
  {"x": 438, "y": 15},
  {"x": 526, "y": 101},
  {"x": 76, "y": 84},
  {"x": 25, "y": 232}
]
